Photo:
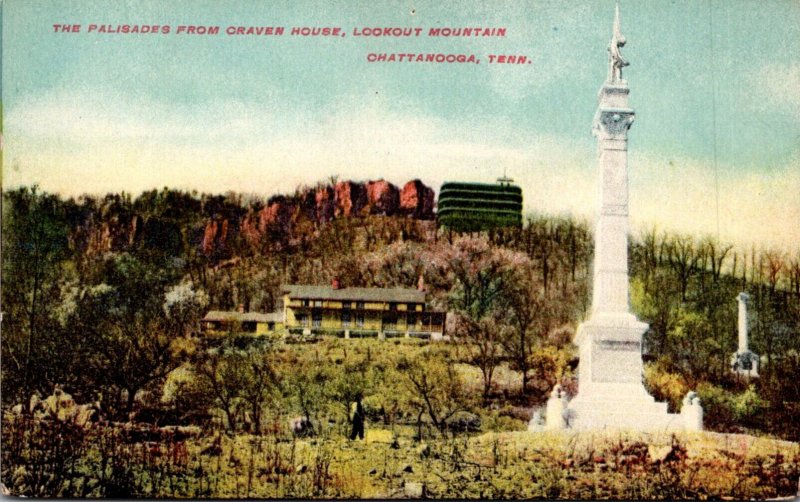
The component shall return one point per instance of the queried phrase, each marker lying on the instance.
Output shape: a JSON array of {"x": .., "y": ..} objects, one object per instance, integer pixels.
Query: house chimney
[
  {"x": 335, "y": 283},
  {"x": 241, "y": 308},
  {"x": 421, "y": 283}
]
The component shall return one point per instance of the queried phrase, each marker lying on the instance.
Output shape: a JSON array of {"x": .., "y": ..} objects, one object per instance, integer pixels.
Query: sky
[{"x": 714, "y": 150}]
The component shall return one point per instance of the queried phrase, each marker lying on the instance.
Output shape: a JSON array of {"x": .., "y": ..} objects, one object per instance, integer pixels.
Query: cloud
[
  {"x": 99, "y": 142},
  {"x": 680, "y": 194},
  {"x": 780, "y": 84}
]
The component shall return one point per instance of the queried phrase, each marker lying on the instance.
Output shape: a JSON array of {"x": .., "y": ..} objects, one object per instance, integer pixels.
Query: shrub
[
  {"x": 747, "y": 405},
  {"x": 665, "y": 386}
]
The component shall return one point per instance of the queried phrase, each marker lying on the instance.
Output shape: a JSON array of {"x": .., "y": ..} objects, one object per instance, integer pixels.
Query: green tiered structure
[{"x": 471, "y": 207}]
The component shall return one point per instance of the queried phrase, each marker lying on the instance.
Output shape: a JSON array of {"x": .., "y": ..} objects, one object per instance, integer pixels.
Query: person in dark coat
[{"x": 358, "y": 421}]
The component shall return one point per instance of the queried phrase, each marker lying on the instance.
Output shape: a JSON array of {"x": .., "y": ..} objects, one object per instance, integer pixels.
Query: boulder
[
  {"x": 414, "y": 490},
  {"x": 301, "y": 426}
]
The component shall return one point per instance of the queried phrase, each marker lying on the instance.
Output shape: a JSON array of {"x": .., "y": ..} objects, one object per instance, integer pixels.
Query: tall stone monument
[
  {"x": 744, "y": 362},
  {"x": 610, "y": 389}
]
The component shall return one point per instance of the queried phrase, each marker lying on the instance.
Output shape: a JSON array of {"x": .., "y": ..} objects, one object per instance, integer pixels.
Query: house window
[
  {"x": 360, "y": 305},
  {"x": 411, "y": 320},
  {"x": 392, "y": 306},
  {"x": 302, "y": 319},
  {"x": 318, "y": 303},
  {"x": 360, "y": 320},
  {"x": 305, "y": 303},
  {"x": 346, "y": 319},
  {"x": 316, "y": 318},
  {"x": 271, "y": 326},
  {"x": 411, "y": 307}
]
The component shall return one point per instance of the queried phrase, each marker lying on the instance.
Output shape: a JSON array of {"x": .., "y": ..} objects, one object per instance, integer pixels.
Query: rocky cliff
[{"x": 212, "y": 224}]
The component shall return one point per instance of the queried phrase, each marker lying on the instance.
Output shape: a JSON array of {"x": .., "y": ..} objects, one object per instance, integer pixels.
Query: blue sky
[{"x": 93, "y": 112}]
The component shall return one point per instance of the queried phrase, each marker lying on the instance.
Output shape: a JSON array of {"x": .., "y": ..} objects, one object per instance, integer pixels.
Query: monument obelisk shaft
[
  {"x": 611, "y": 123},
  {"x": 610, "y": 388}
]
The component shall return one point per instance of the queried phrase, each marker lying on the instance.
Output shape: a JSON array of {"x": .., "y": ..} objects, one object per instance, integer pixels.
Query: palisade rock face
[
  {"x": 324, "y": 203},
  {"x": 349, "y": 198},
  {"x": 118, "y": 232},
  {"x": 216, "y": 225},
  {"x": 382, "y": 198},
  {"x": 215, "y": 237},
  {"x": 417, "y": 200}
]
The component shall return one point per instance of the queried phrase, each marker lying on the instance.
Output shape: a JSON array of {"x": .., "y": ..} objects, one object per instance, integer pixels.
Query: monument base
[
  {"x": 611, "y": 394},
  {"x": 595, "y": 412},
  {"x": 745, "y": 363}
]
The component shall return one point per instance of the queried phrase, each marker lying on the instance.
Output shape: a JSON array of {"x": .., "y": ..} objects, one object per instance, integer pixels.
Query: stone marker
[{"x": 744, "y": 362}]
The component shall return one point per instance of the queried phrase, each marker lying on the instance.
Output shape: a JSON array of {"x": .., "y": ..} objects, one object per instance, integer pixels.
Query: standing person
[{"x": 358, "y": 420}]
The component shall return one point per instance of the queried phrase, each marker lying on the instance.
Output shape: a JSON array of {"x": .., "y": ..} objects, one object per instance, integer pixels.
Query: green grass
[{"x": 506, "y": 465}]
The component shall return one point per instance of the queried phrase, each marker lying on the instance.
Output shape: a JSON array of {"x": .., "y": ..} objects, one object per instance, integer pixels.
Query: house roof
[
  {"x": 233, "y": 316},
  {"x": 399, "y": 295}
]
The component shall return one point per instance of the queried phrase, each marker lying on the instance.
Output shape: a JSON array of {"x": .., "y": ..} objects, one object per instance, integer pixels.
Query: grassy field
[
  {"x": 389, "y": 464},
  {"x": 401, "y": 455}
]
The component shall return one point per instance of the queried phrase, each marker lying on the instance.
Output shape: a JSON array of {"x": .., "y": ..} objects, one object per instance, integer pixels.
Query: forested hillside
[{"x": 102, "y": 297}]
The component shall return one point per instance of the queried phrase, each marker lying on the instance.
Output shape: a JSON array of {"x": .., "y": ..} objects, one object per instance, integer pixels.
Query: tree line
[{"x": 113, "y": 325}]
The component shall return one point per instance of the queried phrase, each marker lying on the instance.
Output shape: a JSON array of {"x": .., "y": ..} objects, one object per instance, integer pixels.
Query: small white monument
[
  {"x": 692, "y": 412},
  {"x": 744, "y": 362},
  {"x": 536, "y": 423},
  {"x": 611, "y": 393},
  {"x": 555, "y": 409}
]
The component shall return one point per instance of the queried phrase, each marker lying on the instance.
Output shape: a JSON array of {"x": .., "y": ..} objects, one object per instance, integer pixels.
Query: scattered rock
[
  {"x": 301, "y": 426},
  {"x": 373, "y": 471},
  {"x": 413, "y": 490},
  {"x": 464, "y": 421},
  {"x": 300, "y": 469},
  {"x": 407, "y": 468},
  {"x": 424, "y": 450}
]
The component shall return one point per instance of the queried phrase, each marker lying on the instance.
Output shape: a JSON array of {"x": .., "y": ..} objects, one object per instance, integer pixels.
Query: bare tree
[
  {"x": 435, "y": 386},
  {"x": 683, "y": 258}
]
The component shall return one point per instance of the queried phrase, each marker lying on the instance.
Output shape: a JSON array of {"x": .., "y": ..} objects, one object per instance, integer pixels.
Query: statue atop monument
[{"x": 615, "y": 60}]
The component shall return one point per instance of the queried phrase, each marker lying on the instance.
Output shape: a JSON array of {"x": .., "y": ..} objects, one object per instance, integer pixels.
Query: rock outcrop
[
  {"x": 349, "y": 198},
  {"x": 416, "y": 200},
  {"x": 215, "y": 237},
  {"x": 213, "y": 223},
  {"x": 325, "y": 203},
  {"x": 382, "y": 198}
]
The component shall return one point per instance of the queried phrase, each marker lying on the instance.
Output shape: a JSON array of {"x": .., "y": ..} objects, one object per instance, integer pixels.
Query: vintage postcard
[{"x": 401, "y": 249}]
